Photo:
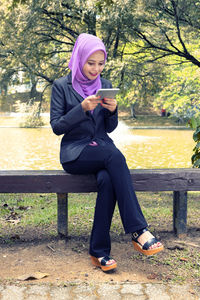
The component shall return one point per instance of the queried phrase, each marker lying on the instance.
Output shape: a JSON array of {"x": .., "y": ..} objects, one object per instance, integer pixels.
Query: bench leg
[
  {"x": 62, "y": 214},
  {"x": 180, "y": 213}
]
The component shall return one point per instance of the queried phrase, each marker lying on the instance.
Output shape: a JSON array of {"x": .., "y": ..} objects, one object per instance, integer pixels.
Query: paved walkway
[{"x": 114, "y": 291}]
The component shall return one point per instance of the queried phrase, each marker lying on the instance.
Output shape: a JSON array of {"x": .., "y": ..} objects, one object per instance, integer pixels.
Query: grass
[
  {"x": 35, "y": 210},
  {"x": 151, "y": 120},
  {"x": 19, "y": 211},
  {"x": 141, "y": 120}
]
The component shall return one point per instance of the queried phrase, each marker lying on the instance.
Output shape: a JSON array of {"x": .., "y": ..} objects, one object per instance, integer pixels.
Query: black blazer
[{"x": 79, "y": 128}]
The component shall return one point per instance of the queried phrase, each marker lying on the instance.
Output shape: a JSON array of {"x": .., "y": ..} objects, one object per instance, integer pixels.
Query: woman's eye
[{"x": 92, "y": 64}]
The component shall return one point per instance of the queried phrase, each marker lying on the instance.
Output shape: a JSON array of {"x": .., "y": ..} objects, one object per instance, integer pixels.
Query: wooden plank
[
  {"x": 58, "y": 181},
  {"x": 166, "y": 179},
  {"x": 46, "y": 182},
  {"x": 180, "y": 213},
  {"x": 62, "y": 214}
]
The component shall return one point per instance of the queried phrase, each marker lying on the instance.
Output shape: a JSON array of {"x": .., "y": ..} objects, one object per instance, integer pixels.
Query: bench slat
[{"x": 58, "y": 181}]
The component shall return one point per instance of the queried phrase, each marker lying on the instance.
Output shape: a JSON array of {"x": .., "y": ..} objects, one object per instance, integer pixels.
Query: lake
[{"x": 24, "y": 148}]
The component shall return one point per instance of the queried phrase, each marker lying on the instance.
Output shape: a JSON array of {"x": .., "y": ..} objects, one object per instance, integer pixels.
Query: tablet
[{"x": 107, "y": 93}]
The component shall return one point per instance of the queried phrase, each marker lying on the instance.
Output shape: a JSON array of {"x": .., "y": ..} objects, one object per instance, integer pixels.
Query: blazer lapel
[
  {"x": 79, "y": 97},
  {"x": 69, "y": 82}
]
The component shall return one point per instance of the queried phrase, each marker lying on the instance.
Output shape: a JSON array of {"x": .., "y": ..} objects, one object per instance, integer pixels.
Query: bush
[{"x": 30, "y": 114}]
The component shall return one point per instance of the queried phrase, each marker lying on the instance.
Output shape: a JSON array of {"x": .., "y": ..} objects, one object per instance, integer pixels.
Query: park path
[{"x": 102, "y": 291}]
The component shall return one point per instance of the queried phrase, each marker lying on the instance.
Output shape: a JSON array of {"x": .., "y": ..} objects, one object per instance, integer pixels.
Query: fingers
[
  {"x": 110, "y": 104},
  {"x": 90, "y": 103},
  {"x": 109, "y": 101}
]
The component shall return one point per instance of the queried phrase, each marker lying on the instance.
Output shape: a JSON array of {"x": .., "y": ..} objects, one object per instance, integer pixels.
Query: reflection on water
[
  {"x": 39, "y": 148},
  {"x": 156, "y": 148},
  {"x": 122, "y": 135},
  {"x": 29, "y": 149}
]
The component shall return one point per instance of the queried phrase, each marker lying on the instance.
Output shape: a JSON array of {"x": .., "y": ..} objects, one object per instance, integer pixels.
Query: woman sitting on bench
[{"x": 85, "y": 121}]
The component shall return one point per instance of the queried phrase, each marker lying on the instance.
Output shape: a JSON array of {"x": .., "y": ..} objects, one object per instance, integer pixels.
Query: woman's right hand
[{"x": 90, "y": 102}]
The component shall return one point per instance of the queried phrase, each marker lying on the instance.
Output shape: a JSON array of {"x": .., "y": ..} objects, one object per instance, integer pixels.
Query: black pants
[{"x": 114, "y": 184}]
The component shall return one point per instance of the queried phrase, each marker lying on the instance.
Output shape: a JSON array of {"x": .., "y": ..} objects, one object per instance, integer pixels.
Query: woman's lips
[{"x": 93, "y": 74}]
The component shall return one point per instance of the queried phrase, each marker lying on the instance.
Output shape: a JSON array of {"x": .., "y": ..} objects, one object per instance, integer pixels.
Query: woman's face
[{"x": 94, "y": 65}]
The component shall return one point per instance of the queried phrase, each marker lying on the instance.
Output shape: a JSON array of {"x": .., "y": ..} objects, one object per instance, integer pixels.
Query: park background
[{"x": 153, "y": 57}]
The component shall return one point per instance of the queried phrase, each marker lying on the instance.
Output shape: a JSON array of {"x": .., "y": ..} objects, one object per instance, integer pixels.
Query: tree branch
[
  {"x": 184, "y": 54},
  {"x": 177, "y": 26}
]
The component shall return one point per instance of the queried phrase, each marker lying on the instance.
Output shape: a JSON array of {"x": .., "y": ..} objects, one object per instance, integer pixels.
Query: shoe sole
[
  {"x": 96, "y": 263},
  {"x": 138, "y": 248}
]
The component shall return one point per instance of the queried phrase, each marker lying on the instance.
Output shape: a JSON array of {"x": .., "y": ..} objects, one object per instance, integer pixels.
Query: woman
[{"x": 86, "y": 148}]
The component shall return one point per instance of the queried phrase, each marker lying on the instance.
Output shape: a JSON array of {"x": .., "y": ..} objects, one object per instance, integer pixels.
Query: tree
[
  {"x": 168, "y": 28},
  {"x": 180, "y": 93},
  {"x": 141, "y": 36}
]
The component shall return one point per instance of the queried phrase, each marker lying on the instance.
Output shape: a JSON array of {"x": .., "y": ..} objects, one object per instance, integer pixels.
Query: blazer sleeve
[
  {"x": 111, "y": 120},
  {"x": 63, "y": 119}
]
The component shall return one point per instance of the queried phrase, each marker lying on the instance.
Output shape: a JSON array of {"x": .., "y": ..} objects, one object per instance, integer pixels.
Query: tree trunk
[{"x": 133, "y": 111}]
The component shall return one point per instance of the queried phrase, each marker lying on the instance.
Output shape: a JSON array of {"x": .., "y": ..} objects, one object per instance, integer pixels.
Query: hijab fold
[{"x": 85, "y": 46}]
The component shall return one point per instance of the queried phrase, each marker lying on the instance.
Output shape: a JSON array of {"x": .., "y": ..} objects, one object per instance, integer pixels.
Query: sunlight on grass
[
  {"x": 39, "y": 213},
  {"x": 34, "y": 209}
]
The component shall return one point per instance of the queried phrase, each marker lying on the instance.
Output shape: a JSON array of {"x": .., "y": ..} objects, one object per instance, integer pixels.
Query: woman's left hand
[{"x": 110, "y": 104}]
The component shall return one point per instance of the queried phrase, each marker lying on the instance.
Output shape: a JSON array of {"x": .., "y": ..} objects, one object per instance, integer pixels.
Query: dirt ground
[{"x": 67, "y": 260}]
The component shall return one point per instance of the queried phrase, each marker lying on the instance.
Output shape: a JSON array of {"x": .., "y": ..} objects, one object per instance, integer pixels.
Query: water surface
[{"x": 23, "y": 148}]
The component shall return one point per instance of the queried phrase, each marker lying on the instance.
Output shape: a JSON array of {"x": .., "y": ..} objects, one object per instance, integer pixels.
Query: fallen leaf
[
  {"x": 21, "y": 207},
  {"x": 36, "y": 275},
  {"x": 15, "y": 237},
  {"x": 183, "y": 259},
  {"x": 175, "y": 247},
  {"x": 13, "y": 218},
  {"x": 14, "y": 221},
  {"x": 152, "y": 276}
]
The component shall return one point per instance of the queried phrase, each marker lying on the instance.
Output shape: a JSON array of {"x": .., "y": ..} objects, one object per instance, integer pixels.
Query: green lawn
[
  {"x": 152, "y": 120},
  {"x": 35, "y": 210},
  {"x": 29, "y": 214}
]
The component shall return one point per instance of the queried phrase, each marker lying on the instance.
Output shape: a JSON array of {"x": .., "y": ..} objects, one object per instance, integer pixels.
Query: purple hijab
[{"x": 85, "y": 45}]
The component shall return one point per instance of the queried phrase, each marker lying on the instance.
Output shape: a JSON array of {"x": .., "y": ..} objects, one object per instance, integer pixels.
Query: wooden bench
[{"x": 177, "y": 180}]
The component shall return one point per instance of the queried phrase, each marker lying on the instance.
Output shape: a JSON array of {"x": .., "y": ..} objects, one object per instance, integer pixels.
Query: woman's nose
[{"x": 96, "y": 68}]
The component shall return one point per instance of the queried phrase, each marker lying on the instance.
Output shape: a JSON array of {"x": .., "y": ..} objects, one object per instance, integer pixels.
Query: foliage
[
  {"x": 30, "y": 114},
  {"x": 168, "y": 28},
  {"x": 180, "y": 92},
  {"x": 143, "y": 38},
  {"x": 195, "y": 124}
]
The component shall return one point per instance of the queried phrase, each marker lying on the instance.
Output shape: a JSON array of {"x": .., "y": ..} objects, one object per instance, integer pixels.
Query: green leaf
[
  {"x": 196, "y": 135},
  {"x": 197, "y": 145},
  {"x": 197, "y": 164},
  {"x": 193, "y": 123},
  {"x": 193, "y": 158}
]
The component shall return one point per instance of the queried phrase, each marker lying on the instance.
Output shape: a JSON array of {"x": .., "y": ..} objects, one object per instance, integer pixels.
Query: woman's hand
[
  {"x": 90, "y": 102},
  {"x": 110, "y": 104}
]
